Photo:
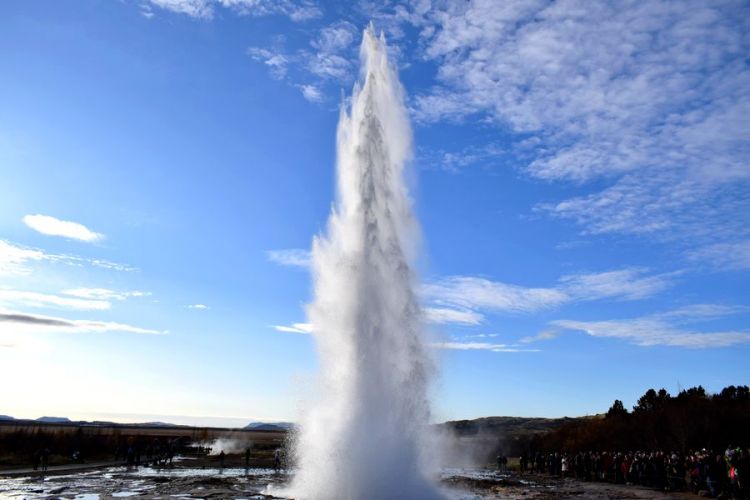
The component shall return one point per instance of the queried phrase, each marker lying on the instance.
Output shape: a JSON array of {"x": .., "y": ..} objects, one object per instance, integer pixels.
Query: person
[
  {"x": 247, "y": 457},
  {"x": 35, "y": 460},
  {"x": 277, "y": 459},
  {"x": 222, "y": 455},
  {"x": 45, "y": 458}
]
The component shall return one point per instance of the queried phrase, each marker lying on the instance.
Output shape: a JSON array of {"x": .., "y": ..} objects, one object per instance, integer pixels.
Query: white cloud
[
  {"x": 455, "y": 161},
  {"x": 44, "y": 300},
  {"x": 293, "y": 257},
  {"x": 699, "y": 312},
  {"x": 664, "y": 329},
  {"x": 198, "y": 306},
  {"x": 472, "y": 293},
  {"x": 335, "y": 37},
  {"x": 546, "y": 335},
  {"x": 103, "y": 293},
  {"x": 311, "y": 93},
  {"x": 193, "y": 8},
  {"x": 478, "y": 293},
  {"x": 147, "y": 11},
  {"x": 301, "y": 10},
  {"x": 276, "y": 62},
  {"x": 729, "y": 256},
  {"x": 629, "y": 284},
  {"x": 303, "y": 328},
  {"x": 444, "y": 315},
  {"x": 482, "y": 336},
  {"x": 650, "y": 97},
  {"x": 15, "y": 259},
  {"x": 12, "y": 322},
  {"x": 330, "y": 66},
  {"x": 328, "y": 59},
  {"x": 52, "y": 226},
  {"x": 479, "y": 346},
  {"x": 653, "y": 332}
]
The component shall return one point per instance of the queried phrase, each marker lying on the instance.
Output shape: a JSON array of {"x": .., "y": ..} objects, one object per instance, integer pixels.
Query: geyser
[{"x": 364, "y": 437}]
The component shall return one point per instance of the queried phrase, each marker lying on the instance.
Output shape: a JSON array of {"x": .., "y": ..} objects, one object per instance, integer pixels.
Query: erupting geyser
[{"x": 364, "y": 436}]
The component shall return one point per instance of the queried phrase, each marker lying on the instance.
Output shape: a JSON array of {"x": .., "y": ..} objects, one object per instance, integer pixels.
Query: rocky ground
[
  {"x": 514, "y": 486},
  {"x": 200, "y": 480}
]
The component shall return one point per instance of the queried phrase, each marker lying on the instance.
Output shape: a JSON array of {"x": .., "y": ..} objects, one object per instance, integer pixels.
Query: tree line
[{"x": 691, "y": 420}]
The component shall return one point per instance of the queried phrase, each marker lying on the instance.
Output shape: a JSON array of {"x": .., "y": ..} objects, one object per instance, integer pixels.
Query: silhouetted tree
[
  {"x": 693, "y": 419},
  {"x": 617, "y": 410}
]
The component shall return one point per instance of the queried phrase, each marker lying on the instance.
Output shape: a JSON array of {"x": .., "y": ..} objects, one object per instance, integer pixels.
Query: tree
[
  {"x": 736, "y": 393},
  {"x": 693, "y": 393},
  {"x": 617, "y": 410},
  {"x": 652, "y": 401}
]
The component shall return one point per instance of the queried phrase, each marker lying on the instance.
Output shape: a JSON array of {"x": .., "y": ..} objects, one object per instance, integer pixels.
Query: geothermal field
[{"x": 512, "y": 208}]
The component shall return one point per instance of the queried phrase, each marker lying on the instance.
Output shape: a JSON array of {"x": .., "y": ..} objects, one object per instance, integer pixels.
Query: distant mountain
[
  {"x": 54, "y": 420},
  {"x": 269, "y": 426},
  {"x": 157, "y": 424},
  {"x": 6, "y": 417}
]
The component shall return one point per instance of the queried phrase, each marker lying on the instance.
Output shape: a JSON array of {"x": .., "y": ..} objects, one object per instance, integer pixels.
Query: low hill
[
  {"x": 269, "y": 426},
  {"x": 508, "y": 426},
  {"x": 54, "y": 420}
]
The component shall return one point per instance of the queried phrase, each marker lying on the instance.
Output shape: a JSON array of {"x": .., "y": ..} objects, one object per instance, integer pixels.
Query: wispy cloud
[
  {"x": 103, "y": 293},
  {"x": 292, "y": 257},
  {"x": 700, "y": 312},
  {"x": 16, "y": 260},
  {"x": 629, "y": 284},
  {"x": 52, "y": 226},
  {"x": 665, "y": 329},
  {"x": 198, "y": 306},
  {"x": 311, "y": 93},
  {"x": 194, "y": 8},
  {"x": 476, "y": 294},
  {"x": 486, "y": 155},
  {"x": 303, "y": 328},
  {"x": 13, "y": 259},
  {"x": 300, "y": 10},
  {"x": 45, "y": 300},
  {"x": 649, "y": 99},
  {"x": 276, "y": 62},
  {"x": 147, "y": 11},
  {"x": 12, "y": 321},
  {"x": 327, "y": 60},
  {"x": 479, "y": 346},
  {"x": 724, "y": 256},
  {"x": 482, "y": 336},
  {"x": 546, "y": 335},
  {"x": 444, "y": 315}
]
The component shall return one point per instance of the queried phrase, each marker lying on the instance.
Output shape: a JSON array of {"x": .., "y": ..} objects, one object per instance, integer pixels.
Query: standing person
[
  {"x": 247, "y": 457},
  {"x": 277, "y": 459},
  {"x": 222, "y": 455},
  {"x": 45, "y": 458}
]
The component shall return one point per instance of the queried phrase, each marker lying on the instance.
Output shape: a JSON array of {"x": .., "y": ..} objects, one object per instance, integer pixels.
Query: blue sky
[{"x": 580, "y": 174}]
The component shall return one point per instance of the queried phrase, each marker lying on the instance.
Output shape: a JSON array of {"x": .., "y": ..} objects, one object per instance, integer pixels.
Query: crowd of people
[
  {"x": 719, "y": 474},
  {"x": 156, "y": 453}
]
